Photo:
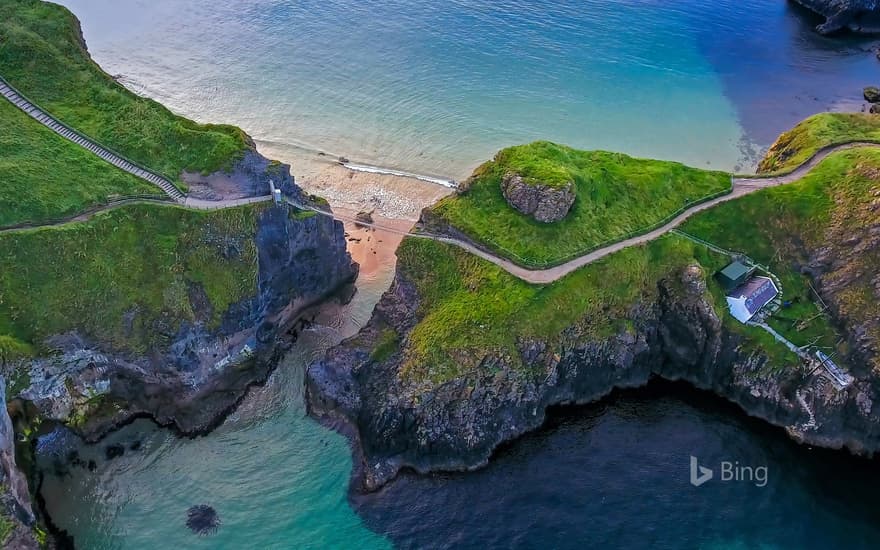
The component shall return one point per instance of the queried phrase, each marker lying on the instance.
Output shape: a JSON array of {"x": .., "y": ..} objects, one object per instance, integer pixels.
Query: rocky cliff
[
  {"x": 199, "y": 366},
  {"x": 16, "y": 516},
  {"x": 674, "y": 330},
  {"x": 855, "y": 15}
]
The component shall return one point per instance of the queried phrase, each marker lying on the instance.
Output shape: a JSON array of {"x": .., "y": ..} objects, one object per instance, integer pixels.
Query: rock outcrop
[
  {"x": 856, "y": 15},
  {"x": 545, "y": 203},
  {"x": 397, "y": 422}
]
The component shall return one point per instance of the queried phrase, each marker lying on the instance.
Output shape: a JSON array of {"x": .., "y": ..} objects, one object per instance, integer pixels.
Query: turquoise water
[
  {"x": 276, "y": 477},
  {"x": 437, "y": 88}
]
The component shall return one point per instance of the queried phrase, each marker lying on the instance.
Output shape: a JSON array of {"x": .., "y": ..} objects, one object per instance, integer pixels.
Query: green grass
[
  {"x": 617, "y": 196},
  {"x": 797, "y": 145},
  {"x": 6, "y": 526},
  {"x": 388, "y": 344},
  {"x": 43, "y": 56},
  {"x": 471, "y": 309},
  {"x": 46, "y": 177},
  {"x": 127, "y": 278},
  {"x": 779, "y": 226}
]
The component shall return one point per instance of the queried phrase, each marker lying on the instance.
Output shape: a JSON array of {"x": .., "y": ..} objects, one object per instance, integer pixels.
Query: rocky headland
[
  {"x": 413, "y": 393},
  {"x": 201, "y": 368}
]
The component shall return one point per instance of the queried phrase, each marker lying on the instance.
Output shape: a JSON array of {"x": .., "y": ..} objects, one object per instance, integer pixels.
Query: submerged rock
[
  {"x": 202, "y": 519},
  {"x": 545, "y": 203},
  {"x": 113, "y": 451}
]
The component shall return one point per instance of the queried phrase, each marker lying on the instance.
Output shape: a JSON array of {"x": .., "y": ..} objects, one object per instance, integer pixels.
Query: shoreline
[{"x": 389, "y": 193}]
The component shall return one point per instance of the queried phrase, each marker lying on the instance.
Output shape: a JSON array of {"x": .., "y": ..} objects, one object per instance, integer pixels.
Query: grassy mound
[
  {"x": 797, "y": 145},
  {"x": 43, "y": 55},
  {"x": 617, "y": 196},
  {"x": 126, "y": 278},
  {"x": 471, "y": 309},
  {"x": 46, "y": 177}
]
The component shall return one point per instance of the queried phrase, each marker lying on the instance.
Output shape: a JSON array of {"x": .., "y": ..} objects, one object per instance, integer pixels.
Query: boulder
[
  {"x": 545, "y": 203},
  {"x": 875, "y": 109},
  {"x": 872, "y": 94}
]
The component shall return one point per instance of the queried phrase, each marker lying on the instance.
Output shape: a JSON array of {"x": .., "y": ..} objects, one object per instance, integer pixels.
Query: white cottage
[{"x": 749, "y": 298}]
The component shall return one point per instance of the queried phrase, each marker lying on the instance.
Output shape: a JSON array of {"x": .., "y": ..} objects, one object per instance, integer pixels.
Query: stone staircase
[{"x": 59, "y": 128}]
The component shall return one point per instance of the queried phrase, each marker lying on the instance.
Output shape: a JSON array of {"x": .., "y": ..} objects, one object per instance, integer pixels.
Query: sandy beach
[{"x": 389, "y": 197}]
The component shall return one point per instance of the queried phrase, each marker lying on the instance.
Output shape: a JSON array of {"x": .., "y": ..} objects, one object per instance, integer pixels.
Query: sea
[{"x": 434, "y": 89}]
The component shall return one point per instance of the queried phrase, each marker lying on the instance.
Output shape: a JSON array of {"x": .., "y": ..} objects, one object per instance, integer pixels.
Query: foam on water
[{"x": 393, "y": 172}]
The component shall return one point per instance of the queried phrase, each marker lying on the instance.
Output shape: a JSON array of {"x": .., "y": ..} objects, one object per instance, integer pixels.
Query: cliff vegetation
[
  {"x": 800, "y": 143},
  {"x": 127, "y": 278}
]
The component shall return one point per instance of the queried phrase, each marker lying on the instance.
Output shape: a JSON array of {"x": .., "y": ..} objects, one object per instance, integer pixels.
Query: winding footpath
[{"x": 741, "y": 186}]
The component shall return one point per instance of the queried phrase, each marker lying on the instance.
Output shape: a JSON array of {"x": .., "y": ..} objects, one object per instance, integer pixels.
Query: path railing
[{"x": 88, "y": 212}]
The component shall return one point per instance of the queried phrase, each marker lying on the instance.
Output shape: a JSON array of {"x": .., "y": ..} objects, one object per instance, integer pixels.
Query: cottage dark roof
[
  {"x": 735, "y": 271},
  {"x": 758, "y": 291}
]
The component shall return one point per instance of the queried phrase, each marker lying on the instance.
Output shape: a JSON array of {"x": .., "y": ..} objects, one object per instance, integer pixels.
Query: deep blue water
[
  {"x": 616, "y": 475},
  {"x": 437, "y": 88}
]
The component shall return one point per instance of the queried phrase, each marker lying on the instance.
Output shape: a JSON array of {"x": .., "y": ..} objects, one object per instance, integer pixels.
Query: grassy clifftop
[
  {"x": 127, "y": 277},
  {"x": 43, "y": 55},
  {"x": 616, "y": 195},
  {"x": 46, "y": 177},
  {"x": 797, "y": 145},
  {"x": 470, "y": 308}
]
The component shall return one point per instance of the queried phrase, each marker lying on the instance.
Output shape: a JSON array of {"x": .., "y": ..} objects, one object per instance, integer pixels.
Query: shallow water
[{"x": 436, "y": 88}]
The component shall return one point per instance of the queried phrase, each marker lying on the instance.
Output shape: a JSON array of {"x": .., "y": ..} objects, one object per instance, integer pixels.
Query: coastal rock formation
[
  {"x": 457, "y": 425},
  {"x": 855, "y": 15},
  {"x": 545, "y": 203},
  {"x": 398, "y": 421},
  {"x": 871, "y": 94},
  {"x": 203, "y": 367}
]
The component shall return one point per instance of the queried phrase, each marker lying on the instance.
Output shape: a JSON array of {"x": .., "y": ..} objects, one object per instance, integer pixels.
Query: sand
[
  {"x": 389, "y": 197},
  {"x": 374, "y": 249}
]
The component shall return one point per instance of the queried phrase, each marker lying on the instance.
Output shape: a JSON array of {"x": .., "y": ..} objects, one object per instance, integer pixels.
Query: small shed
[
  {"x": 734, "y": 275},
  {"x": 748, "y": 299}
]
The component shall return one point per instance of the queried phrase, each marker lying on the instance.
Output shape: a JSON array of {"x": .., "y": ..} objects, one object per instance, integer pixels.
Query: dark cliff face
[
  {"x": 205, "y": 368},
  {"x": 457, "y": 425},
  {"x": 855, "y": 15}
]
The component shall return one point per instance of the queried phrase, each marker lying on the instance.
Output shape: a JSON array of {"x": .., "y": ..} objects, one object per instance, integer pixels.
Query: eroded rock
[{"x": 545, "y": 203}]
